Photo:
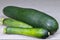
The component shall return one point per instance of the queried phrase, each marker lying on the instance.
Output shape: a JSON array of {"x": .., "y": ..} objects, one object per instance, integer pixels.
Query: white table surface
[{"x": 51, "y": 7}]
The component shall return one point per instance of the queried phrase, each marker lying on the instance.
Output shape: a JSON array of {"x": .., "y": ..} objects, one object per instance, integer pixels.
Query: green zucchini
[
  {"x": 33, "y": 17},
  {"x": 33, "y": 32},
  {"x": 14, "y": 23}
]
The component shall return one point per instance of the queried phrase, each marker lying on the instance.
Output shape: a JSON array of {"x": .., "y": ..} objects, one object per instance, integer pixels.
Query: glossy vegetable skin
[
  {"x": 14, "y": 23},
  {"x": 33, "y": 17},
  {"x": 34, "y": 32}
]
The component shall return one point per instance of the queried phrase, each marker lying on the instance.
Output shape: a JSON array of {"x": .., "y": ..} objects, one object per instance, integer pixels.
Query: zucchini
[
  {"x": 33, "y": 17},
  {"x": 14, "y": 23},
  {"x": 33, "y": 32}
]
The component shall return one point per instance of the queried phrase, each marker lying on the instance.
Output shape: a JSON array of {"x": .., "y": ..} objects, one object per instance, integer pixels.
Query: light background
[{"x": 51, "y": 7}]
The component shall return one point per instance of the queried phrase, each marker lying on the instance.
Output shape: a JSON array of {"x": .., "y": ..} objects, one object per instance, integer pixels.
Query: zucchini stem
[
  {"x": 4, "y": 30},
  {"x": 1, "y": 21},
  {"x": 49, "y": 33}
]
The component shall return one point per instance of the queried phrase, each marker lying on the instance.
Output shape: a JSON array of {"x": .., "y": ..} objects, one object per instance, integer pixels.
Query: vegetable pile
[{"x": 30, "y": 22}]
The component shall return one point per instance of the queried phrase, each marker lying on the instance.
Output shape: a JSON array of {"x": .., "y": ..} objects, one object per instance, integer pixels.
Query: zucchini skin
[
  {"x": 32, "y": 17},
  {"x": 15, "y": 23},
  {"x": 33, "y": 32}
]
